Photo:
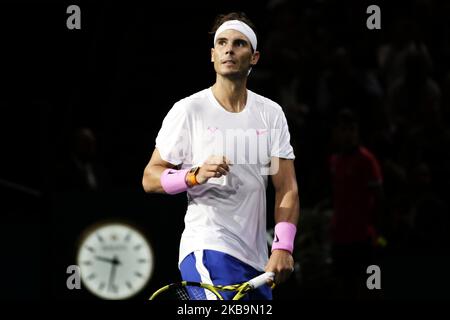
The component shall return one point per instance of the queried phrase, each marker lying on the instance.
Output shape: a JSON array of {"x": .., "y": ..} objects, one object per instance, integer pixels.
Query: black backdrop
[{"x": 119, "y": 75}]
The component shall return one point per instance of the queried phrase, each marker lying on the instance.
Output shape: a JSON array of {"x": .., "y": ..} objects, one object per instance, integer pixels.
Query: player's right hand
[{"x": 213, "y": 167}]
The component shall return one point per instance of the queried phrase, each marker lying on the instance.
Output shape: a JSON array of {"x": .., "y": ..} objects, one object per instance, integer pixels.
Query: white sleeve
[
  {"x": 172, "y": 141},
  {"x": 281, "y": 139}
]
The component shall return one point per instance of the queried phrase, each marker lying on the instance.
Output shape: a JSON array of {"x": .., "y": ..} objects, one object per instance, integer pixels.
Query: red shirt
[{"x": 353, "y": 198}]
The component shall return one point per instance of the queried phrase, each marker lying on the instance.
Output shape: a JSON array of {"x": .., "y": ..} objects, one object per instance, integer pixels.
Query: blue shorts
[{"x": 218, "y": 268}]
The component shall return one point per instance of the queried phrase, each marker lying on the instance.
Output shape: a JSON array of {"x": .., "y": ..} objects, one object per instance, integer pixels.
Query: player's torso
[{"x": 244, "y": 138}]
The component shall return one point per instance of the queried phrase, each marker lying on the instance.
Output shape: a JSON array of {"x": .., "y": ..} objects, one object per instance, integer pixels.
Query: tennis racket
[{"x": 188, "y": 290}]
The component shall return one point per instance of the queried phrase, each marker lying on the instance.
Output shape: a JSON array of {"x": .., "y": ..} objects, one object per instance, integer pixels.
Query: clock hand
[
  {"x": 105, "y": 259},
  {"x": 112, "y": 274}
]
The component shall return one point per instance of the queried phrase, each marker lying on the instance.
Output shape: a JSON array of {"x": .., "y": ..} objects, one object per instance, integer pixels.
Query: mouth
[{"x": 228, "y": 62}]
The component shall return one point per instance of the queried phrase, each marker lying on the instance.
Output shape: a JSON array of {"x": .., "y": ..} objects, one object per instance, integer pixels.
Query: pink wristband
[
  {"x": 174, "y": 181},
  {"x": 284, "y": 236}
]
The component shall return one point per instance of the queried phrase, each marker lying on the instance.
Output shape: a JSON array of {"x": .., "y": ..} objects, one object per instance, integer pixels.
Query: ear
[
  {"x": 255, "y": 58},
  {"x": 212, "y": 54}
]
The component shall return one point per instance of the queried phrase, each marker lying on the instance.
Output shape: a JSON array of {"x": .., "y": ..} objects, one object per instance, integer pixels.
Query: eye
[
  {"x": 241, "y": 43},
  {"x": 221, "y": 42}
]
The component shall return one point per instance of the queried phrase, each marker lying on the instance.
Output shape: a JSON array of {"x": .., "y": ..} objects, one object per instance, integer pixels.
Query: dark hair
[
  {"x": 241, "y": 16},
  {"x": 346, "y": 117}
]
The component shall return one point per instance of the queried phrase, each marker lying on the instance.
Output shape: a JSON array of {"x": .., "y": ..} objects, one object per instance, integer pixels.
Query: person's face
[{"x": 232, "y": 54}]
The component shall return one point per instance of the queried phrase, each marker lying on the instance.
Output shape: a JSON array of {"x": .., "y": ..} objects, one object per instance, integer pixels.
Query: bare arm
[
  {"x": 287, "y": 205},
  {"x": 152, "y": 173},
  {"x": 214, "y": 166},
  {"x": 287, "y": 208}
]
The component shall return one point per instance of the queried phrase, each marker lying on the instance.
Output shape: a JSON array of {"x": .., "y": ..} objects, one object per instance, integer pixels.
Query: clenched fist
[{"x": 213, "y": 167}]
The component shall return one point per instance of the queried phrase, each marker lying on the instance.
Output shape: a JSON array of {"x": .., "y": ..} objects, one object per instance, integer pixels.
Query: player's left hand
[{"x": 282, "y": 263}]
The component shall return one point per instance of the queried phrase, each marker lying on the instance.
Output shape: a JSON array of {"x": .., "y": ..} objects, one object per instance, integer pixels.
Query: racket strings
[
  {"x": 195, "y": 293},
  {"x": 189, "y": 291},
  {"x": 181, "y": 293}
]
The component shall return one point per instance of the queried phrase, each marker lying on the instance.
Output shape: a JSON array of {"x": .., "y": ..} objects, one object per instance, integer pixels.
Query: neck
[{"x": 231, "y": 94}]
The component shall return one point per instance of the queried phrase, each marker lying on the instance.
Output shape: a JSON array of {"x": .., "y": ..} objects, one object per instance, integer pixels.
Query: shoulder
[
  {"x": 266, "y": 104},
  {"x": 192, "y": 103},
  {"x": 366, "y": 153},
  {"x": 368, "y": 156}
]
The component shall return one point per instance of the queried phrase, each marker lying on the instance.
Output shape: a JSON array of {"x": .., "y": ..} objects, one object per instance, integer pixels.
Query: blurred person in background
[
  {"x": 357, "y": 198},
  {"x": 82, "y": 169}
]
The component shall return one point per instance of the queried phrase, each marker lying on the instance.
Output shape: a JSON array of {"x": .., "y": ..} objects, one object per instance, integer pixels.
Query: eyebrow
[{"x": 237, "y": 39}]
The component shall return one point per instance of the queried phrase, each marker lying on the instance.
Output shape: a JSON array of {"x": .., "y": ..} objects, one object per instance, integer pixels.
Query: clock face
[{"x": 115, "y": 260}]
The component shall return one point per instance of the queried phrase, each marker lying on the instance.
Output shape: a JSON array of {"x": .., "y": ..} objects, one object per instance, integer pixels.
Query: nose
[{"x": 229, "y": 48}]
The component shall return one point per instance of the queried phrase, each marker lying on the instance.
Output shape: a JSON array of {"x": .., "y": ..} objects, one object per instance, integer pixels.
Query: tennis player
[{"x": 220, "y": 145}]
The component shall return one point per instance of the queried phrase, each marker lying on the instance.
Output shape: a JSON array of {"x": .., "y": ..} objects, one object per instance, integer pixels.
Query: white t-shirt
[{"x": 228, "y": 214}]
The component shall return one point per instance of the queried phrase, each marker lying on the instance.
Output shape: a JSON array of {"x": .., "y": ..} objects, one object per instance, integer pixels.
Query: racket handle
[{"x": 261, "y": 279}]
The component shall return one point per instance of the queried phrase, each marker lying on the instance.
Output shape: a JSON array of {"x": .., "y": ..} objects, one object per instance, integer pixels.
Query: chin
[{"x": 233, "y": 74}]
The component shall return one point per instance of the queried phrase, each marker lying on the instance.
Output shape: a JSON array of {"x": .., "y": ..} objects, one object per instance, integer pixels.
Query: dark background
[{"x": 131, "y": 61}]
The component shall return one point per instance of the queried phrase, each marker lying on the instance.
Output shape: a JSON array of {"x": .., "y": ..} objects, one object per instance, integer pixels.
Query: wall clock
[{"x": 116, "y": 260}]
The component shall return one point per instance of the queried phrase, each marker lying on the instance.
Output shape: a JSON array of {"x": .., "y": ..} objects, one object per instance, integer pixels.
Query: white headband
[{"x": 238, "y": 26}]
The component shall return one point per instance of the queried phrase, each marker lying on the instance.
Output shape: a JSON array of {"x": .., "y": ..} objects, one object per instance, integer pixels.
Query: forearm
[
  {"x": 287, "y": 209},
  {"x": 287, "y": 206},
  {"x": 151, "y": 180}
]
